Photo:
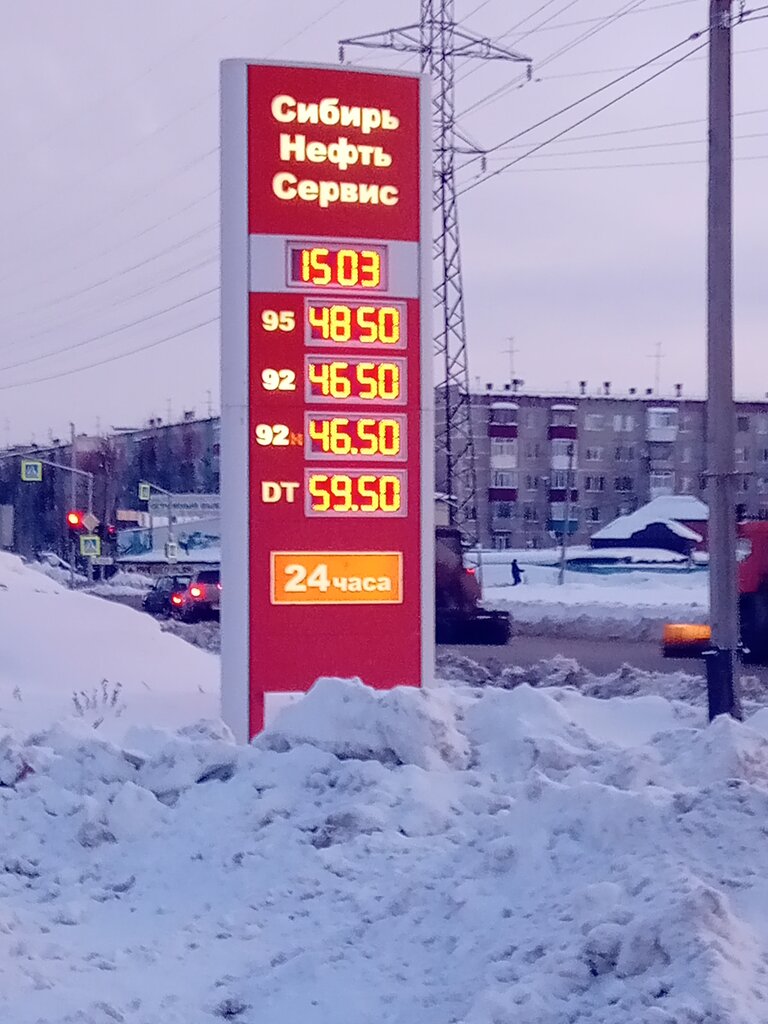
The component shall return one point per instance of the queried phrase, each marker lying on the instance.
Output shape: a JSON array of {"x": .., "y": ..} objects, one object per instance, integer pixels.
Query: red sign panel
[{"x": 326, "y": 449}]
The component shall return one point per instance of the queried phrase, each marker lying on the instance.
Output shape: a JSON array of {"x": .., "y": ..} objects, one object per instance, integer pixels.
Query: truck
[
  {"x": 460, "y": 618},
  {"x": 691, "y": 640}
]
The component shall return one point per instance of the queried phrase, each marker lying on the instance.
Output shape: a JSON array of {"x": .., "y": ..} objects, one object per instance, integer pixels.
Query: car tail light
[
  {"x": 470, "y": 572},
  {"x": 176, "y": 599},
  {"x": 197, "y": 591}
]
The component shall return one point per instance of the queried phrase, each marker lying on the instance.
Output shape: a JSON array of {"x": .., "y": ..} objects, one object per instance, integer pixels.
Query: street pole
[
  {"x": 72, "y": 501},
  {"x": 722, "y": 681},
  {"x": 90, "y": 513},
  {"x": 567, "y": 518}
]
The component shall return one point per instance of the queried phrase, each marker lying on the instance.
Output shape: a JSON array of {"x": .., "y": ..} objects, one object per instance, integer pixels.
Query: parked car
[
  {"x": 200, "y": 599},
  {"x": 158, "y": 600}
]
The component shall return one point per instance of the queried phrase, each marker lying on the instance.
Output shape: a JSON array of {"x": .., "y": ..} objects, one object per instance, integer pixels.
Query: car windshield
[{"x": 208, "y": 576}]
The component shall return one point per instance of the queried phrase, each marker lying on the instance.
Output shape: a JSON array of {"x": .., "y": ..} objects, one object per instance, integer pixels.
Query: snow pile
[
  {"x": 468, "y": 854},
  {"x": 65, "y": 653}
]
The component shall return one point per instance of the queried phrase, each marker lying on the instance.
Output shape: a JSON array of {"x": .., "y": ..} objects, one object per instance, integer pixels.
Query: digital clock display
[
  {"x": 355, "y": 437},
  {"x": 337, "y": 266},
  {"x": 355, "y": 380},
  {"x": 361, "y": 494},
  {"x": 355, "y": 324}
]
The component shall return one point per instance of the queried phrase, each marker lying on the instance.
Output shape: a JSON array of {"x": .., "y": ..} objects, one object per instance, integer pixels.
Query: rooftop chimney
[
  {"x": 606, "y": 387},
  {"x": 507, "y": 387},
  {"x": 582, "y": 387},
  {"x": 649, "y": 391},
  {"x": 678, "y": 390},
  {"x": 489, "y": 387},
  {"x": 633, "y": 391}
]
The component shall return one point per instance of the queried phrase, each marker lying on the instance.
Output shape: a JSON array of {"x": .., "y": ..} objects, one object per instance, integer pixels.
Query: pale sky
[{"x": 109, "y": 204}]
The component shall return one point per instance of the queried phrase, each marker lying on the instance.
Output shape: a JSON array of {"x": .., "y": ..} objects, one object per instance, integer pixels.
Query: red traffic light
[{"x": 75, "y": 520}]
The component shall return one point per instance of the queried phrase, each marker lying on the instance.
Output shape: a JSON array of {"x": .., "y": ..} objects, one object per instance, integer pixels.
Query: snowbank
[
  {"x": 65, "y": 653},
  {"x": 632, "y": 605},
  {"x": 470, "y": 854}
]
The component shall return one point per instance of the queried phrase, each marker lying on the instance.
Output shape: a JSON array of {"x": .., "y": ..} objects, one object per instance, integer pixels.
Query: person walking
[{"x": 517, "y": 573}]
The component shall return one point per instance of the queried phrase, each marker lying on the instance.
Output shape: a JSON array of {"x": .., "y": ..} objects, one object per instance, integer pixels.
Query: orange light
[
  {"x": 682, "y": 633},
  {"x": 75, "y": 518},
  {"x": 195, "y": 591},
  {"x": 176, "y": 599}
]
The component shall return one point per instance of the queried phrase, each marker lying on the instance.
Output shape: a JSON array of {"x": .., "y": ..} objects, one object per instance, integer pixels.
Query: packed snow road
[{"x": 598, "y": 656}]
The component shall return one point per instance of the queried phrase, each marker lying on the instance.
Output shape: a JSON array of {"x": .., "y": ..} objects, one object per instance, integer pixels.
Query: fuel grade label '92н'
[{"x": 327, "y": 447}]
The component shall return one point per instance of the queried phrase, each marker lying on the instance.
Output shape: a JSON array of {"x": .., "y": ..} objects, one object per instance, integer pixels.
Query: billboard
[{"x": 327, "y": 437}]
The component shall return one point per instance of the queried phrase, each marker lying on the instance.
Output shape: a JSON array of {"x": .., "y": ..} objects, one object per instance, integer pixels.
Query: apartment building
[{"x": 552, "y": 463}]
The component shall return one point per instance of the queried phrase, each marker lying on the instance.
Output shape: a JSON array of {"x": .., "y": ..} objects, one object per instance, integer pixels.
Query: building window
[
  {"x": 742, "y": 424},
  {"x": 741, "y": 511},
  {"x": 688, "y": 422},
  {"x": 532, "y": 449},
  {"x": 762, "y": 485},
  {"x": 531, "y": 483},
  {"x": 593, "y": 514},
  {"x": 662, "y": 418},
  {"x": 594, "y": 483},
  {"x": 625, "y": 483},
  {"x": 743, "y": 483},
  {"x": 742, "y": 454},
  {"x": 623, "y": 423},
  {"x": 502, "y": 509},
  {"x": 625, "y": 452},
  {"x": 762, "y": 424},
  {"x": 562, "y": 417},
  {"x": 703, "y": 482},
  {"x": 561, "y": 479},
  {"x": 504, "y": 478},
  {"x": 593, "y": 455},
  {"x": 764, "y": 454},
  {"x": 685, "y": 485},
  {"x": 504, "y": 446},
  {"x": 687, "y": 455},
  {"x": 662, "y": 482},
  {"x": 502, "y": 541},
  {"x": 530, "y": 514},
  {"x": 563, "y": 448},
  {"x": 593, "y": 421},
  {"x": 504, "y": 417}
]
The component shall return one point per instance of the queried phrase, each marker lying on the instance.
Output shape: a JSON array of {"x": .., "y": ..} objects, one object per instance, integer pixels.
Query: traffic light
[{"x": 75, "y": 521}]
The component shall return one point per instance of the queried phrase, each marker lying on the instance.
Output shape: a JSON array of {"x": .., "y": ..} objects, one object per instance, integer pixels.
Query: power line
[
  {"x": 136, "y": 198},
  {"x": 583, "y": 120},
  {"x": 591, "y": 21},
  {"x": 655, "y": 127},
  {"x": 111, "y": 359},
  {"x": 613, "y": 71},
  {"x": 583, "y": 99},
  {"x": 106, "y": 334},
  {"x": 129, "y": 270},
  {"x": 606, "y": 22},
  {"x": 647, "y": 145},
  {"x": 155, "y": 286},
  {"x": 625, "y": 166}
]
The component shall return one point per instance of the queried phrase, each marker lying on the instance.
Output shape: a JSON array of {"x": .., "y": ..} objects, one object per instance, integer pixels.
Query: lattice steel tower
[{"x": 438, "y": 41}]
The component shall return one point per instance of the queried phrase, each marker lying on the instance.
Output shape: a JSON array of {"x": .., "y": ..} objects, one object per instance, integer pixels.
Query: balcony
[
  {"x": 661, "y": 434},
  {"x": 502, "y": 494},
  {"x": 566, "y": 431}
]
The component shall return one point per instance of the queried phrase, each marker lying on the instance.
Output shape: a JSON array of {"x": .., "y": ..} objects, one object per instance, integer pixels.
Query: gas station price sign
[{"x": 327, "y": 437}]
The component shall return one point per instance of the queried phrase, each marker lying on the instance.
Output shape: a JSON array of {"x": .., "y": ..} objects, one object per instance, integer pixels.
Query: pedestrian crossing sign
[
  {"x": 31, "y": 471},
  {"x": 90, "y": 545}
]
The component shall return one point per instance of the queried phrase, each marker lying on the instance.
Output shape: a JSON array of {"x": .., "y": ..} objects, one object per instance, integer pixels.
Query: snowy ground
[
  {"x": 631, "y": 605},
  {"x": 67, "y": 653},
  {"x": 504, "y": 847}
]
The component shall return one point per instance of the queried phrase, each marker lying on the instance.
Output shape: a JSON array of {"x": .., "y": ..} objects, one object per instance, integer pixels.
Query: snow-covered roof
[
  {"x": 685, "y": 508},
  {"x": 670, "y": 509},
  {"x": 504, "y": 405},
  {"x": 563, "y": 408}
]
